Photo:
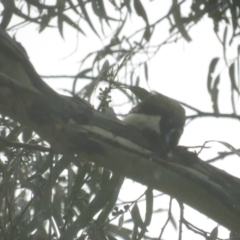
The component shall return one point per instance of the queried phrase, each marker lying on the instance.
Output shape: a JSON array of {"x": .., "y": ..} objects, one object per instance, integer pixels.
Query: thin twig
[
  {"x": 27, "y": 146},
  {"x": 180, "y": 219},
  {"x": 168, "y": 219}
]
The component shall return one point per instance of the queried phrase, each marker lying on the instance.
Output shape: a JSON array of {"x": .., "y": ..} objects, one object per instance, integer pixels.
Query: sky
[{"x": 179, "y": 71}]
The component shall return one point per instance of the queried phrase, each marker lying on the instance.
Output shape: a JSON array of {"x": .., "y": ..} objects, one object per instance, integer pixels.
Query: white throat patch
[{"x": 143, "y": 121}]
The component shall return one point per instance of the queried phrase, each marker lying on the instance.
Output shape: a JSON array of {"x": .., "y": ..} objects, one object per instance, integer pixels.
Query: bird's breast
[{"x": 143, "y": 121}]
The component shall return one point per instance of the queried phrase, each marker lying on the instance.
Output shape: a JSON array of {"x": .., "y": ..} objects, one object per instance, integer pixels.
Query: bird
[{"x": 161, "y": 121}]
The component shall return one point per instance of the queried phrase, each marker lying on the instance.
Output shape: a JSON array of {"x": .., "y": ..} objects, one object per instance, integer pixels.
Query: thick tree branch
[{"x": 73, "y": 127}]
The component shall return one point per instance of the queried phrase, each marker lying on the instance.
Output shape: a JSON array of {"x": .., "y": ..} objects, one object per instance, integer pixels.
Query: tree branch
[{"x": 73, "y": 127}]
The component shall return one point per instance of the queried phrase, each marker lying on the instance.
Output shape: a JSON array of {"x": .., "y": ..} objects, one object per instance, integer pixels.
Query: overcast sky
[{"x": 178, "y": 71}]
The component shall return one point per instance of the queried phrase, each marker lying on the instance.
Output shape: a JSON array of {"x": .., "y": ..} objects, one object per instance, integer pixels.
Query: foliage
[{"x": 47, "y": 196}]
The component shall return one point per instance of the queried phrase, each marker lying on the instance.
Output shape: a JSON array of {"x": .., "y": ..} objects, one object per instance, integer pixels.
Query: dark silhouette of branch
[
  {"x": 168, "y": 219},
  {"x": 30, "y": 147},
  {"x": 217, "y": 115},
  {"x": 221, "y": 156}
]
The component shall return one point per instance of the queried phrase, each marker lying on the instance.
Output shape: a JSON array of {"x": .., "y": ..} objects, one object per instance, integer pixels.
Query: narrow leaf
[
  {"x": 232, "y": 77},
  {"x": 99, "y": 9},
  {"x": 136, "y": 217},
  {"x": 60, "y": 9},
  {"x": 60, "y": 24},
  {"x": 82, "y": 6},
  {"x": 238, "y": 65},
  {"x": 173, "y": 222},
  {"x": 214, "y": 94},
  {"x": 224, "y": 43},
  {"x": 44, "y": 22},
  {"x": 120, "y": 222},
  {"x": 140, "y": 10},
  {"x": 146, "y": 70},
  {"x": 72, "y": 6},
  {"x": 214, "y": 234},
  {"x": 128, "y": 5},
  {"x": 225, "y": 36},
  {"x": 179, "y": 21},
  {"x": 137, "y": 81},
  {"x": 149, "y": 206},
  {"x": 147, "y": 33},
  {"x": 234, "y": 14},
  {"x": 71, "y": 23},
  {"x": 211, "y": 70},
  {"x": 104, "y": 69}
]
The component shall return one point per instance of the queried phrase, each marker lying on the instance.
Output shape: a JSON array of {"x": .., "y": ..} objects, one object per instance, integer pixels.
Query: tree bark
[{"x": 73, "y": 127}]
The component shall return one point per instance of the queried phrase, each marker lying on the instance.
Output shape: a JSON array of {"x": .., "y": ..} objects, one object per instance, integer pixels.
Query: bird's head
[{"x": 160, "y": 119}]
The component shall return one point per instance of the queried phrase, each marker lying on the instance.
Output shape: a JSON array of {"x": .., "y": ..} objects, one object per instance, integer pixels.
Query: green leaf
[
  {"x": 213, "y": 234},
  {"x": 96, "y": 9},
  {"x": 99, "y": 9},
  {"x": 82, "y": 6},
  {"x": 214, "y": 95},
  {"x": 127, "y": 3},
  {"x": 238, "y": 64},
  {"x": 140, "y": 10},
  {"x": 147, "y": 33},
  {"x": 232, "y": 78},
  {"x": 211, "y": 70},
  {"x": 173, "y": 222},
  {"x": 225, "y": 43},
  {"x": 225, "y": 36},
  {"x": 66, "y": 19},
  {"x": 60, "y": 24},
  {"x": 120, "y": 222},
  {"x": 136, "y": 217},
  {"x": 60, "y": 9},
  {"x": 73, "y": 7},
  {"x": 98, "y": 202},
  {"x": 44, "y": 22},
  {"x": 137, "y": 81},
  {"x": 104, "y": 69},
  {"x": 146, "y": 70},
  {"x": 212, "y": 84},
  {"x": 149, "y": 206},
  {"x": 234, "y": 10},
  {"x": 179, "y": 21},
  {"x": 142, "y": 13}
]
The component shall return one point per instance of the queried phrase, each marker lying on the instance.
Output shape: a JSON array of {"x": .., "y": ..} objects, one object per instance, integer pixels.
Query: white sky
[{"x": 178, "y": 71}]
